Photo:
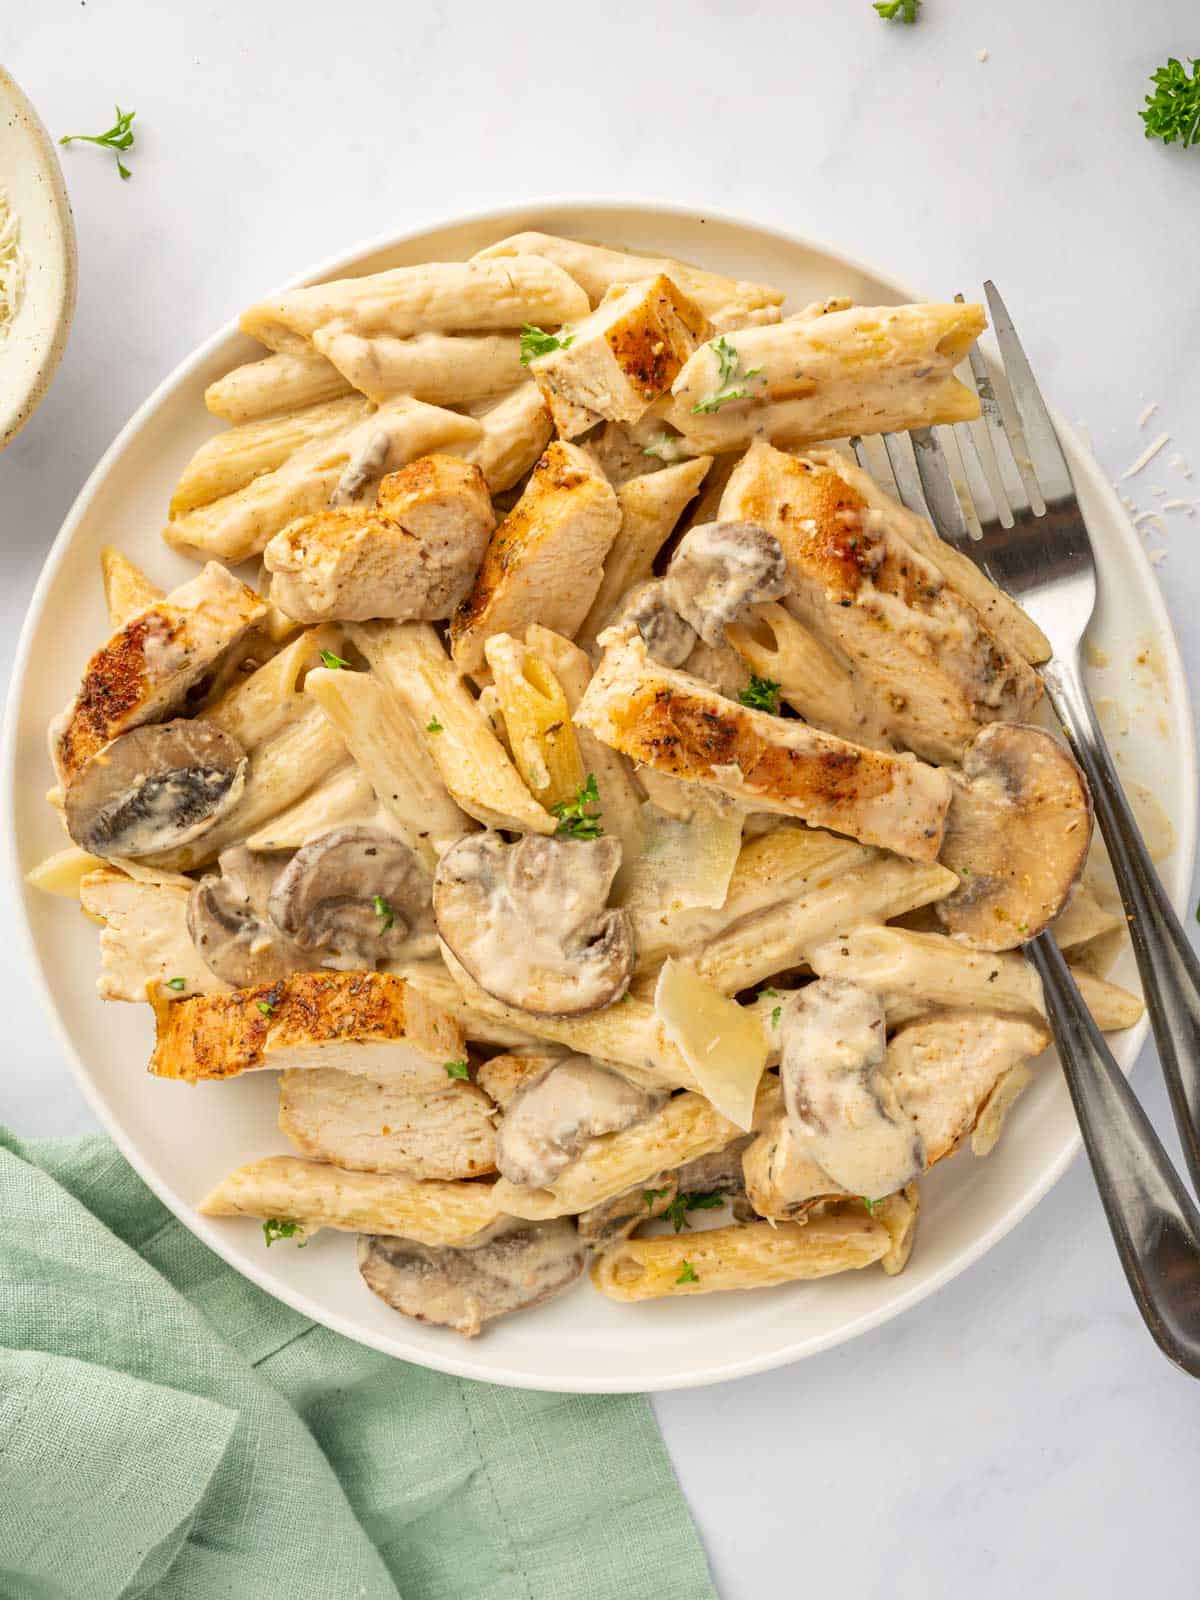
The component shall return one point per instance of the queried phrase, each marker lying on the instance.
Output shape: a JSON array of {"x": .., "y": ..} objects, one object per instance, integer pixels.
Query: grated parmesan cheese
[
  {"x": 12, "y": 265},
  {"x": 1147, "y": 456},
  {"x": 1146, "y": 413}
]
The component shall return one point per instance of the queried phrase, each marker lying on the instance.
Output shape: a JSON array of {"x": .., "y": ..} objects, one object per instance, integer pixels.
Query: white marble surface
[{"x": 1018, "y": 1433}]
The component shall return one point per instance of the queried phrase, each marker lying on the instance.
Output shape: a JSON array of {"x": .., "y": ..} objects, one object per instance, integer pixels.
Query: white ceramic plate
[
  {"x": 33, "y": 346},
  {"x": 182, "y": 1139}
]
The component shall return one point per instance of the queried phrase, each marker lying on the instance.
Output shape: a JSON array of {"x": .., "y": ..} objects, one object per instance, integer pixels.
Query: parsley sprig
[
  {"x": 119, "y": 137},
  {"x": 457, "y": 1069},
  {"x": 278, "y": 1228},
  {"x": 575, "y": 818},
  {"x": 383, "y": 910},
  {"x": 731, "y": 380},
  {"x": 687, "y": 1273},
  {"x": 333, "y": 662},
  {"x": 1172, "y": 112},
  {"x": 898, "y": 10},
  {"x": 761, "y": 694},
  {"x": 537, "y": 342},
  {"x": 677, "y": 1211}
]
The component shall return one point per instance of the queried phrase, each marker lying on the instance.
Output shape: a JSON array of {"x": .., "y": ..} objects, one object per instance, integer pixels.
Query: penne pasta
[
  {"x": 513, "y": 433},
  {"x": 63, "y": 872},
  {"x": 651, "y": 505},
  {"x": 931, "y": 968},
  {"x": 754, "y": 1255},
  {"x": 280, "y": 382},
  {"x": 229, "y": 461},
  {"x": 537, "y": 721},
  {"x": 410, "y": 660},
  {"x": 344, "y": 798},
  {"x": 441, "y": 369},
  {"x": 437, "y": 297},
  {"x": 127, "y": 589},
  {"x": 261, "y": 705},
  {"x": 380, "y": 734}
]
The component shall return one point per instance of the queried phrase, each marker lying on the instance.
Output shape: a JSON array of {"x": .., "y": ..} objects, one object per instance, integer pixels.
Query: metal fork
[{"x": 1031, "y": 540}]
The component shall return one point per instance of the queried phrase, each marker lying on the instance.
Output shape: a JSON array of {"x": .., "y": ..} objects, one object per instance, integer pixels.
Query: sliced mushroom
[
  {"x": 463, "y": 1289},
  {"x": 228, "y": 921},
  {"x": 833, "y": 1037},
  {"x": 605, "y": 1224},
  {"x": 551, "y": 1119},
  {"x": 1017, "y": 833},
  {"x": 355, "y": 893},
  {"x": 719, "y": 570},
  {"x": 154, "y": 788},
  {"x": 667, "y": 636},
  {"x": 529, "y": 922}
]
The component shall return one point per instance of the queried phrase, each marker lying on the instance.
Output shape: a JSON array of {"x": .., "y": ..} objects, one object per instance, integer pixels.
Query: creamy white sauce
[
  {"x": 719, "y": 570},
  {"x": 551, "y": 1120}
]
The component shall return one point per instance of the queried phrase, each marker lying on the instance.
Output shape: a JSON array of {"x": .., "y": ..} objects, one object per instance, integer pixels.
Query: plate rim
[{"x": 454, "y": 1362}]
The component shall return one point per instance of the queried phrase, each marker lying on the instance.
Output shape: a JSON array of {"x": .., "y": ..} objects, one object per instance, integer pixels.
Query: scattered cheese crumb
[
  {"x": 1146, "y": 413},
  {"x": 981, "y": 55},
  {"x": 12, "y": 265},
  {"x": 1147, "y": 456},
  {"x": 1180, "y": 465},
  {"x": 1157, "y": 557},
  {"x": 1158, "y": 490},
  {"x": 1153, "y": 518},
  {"x": 1187, "y": 506}
]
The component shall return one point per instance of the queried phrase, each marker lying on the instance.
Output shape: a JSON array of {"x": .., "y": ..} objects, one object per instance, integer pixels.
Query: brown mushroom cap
[
  {"x": 155, "y": 788},
  {"x": 529, "y": 922},
  {"x": 1017, "y": 833},
  {"x": 357, "y": 892},
  {"x": 551, "y": 1119},
  {"x": 666, "y": 635},
  {"x": 462, "y": 1289},
  {"x": 227, "y": 919},
  {"x": 719, "y": 570}
]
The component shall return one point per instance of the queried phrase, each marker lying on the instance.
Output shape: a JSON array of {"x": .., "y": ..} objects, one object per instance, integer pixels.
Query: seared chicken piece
[
  {"x": 935, "y": 670},
  {"x": 365, "y": 1126},
  {"x": 433, "y": 1211},
  {"x": 146, "y": 669},
  {"x": 617, "y": 361},
  {"x": 145, "y": 938},
  {"x": 365, "y": 1022},
  {"x": 519, "y": 1265},
  {"x": 676, "y": 724},
  {"x": 545, "y": 560},
  {"x": 501, "y": 1076},
  {"x": 412, "y": 557}
]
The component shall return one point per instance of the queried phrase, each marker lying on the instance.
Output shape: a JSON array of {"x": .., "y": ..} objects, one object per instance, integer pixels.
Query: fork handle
[
  {"x": 1169, "y": 969},
  {"x": 1154, "y": 1223}
]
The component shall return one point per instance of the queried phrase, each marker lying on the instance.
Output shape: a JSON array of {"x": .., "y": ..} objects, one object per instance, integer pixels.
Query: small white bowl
[{"x": 33, "y": 346}]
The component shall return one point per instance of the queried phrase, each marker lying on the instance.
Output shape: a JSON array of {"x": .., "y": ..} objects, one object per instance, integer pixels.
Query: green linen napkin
[{"x": 168, "y": 1429}]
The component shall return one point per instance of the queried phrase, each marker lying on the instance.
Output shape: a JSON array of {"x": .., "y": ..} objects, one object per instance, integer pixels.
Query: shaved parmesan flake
[
  {"x": 723, "y": 1043},
  {"x": 1146, "y": 413},
  {"x": 12, "y": 265},
  {"x": 1147, "y": 456},
  {"x": 685, "y": 862},
  {"x": 1180, "y": 505}
]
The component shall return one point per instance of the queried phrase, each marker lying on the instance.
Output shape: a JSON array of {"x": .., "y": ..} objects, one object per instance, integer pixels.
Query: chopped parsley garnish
[
  {"x": 537, "y": 342},
  {"x": 761, "y": 694},
  {"x": 677, "y": 1211},
  {"x": 776, "y": 1013},
  {"x": 334, "y": 663},
  {"x": 870, "y": 1204},
  {"x": 767, "y": 994},
  {"x": 457, "y": 1069},
  {"x": 687, "y": 1274},
  {"x": 119, "y": 137},
  {"x": 666, "y": 447},
  {"x": 731, "y": 380},
  {"x": 265, "y": 1006},
  {"x": 383, "y": 911},
  {"x": 277, "y": 1228},
  {"x": 176, "y": 983},
  {"x": 433, "y": 726},
  {"x": 576, "y": 819},
  {"x": 651, "y": 1195},
  {"x": 1172, "y": 112},
  {"x": 898, "y": 10}
]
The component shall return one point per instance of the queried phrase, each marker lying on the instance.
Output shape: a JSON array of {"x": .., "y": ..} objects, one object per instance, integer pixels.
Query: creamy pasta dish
[{"x": 611, "y": 815}]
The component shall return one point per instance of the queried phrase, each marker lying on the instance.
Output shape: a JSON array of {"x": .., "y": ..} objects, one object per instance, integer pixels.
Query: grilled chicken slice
[
  {"x": 410, "y": 557},
  {"x": 365, "y": 1126},
  {"x": 676, "y": 724},
  {"x": 924, "y": 652},
  {"x": 145, "y": 938},
  {"x": 147, "y": 668},
  {"x": 617, "y": 361},
  {"x": 545, "y": 560},
  {"x": 517, "y": 1266},
  {"x": 362, "y": 1022}
]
